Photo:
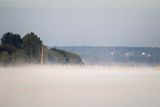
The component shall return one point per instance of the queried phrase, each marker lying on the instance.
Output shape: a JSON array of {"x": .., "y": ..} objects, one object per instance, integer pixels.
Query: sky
[{"x": 84, "y": 22}]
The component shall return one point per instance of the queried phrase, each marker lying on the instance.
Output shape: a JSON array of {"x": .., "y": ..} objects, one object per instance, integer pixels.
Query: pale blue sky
[{"x": 84, "y": 22}]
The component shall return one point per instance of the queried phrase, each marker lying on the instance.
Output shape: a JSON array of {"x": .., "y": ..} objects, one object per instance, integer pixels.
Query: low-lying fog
[{"x": 79, "y": 86}]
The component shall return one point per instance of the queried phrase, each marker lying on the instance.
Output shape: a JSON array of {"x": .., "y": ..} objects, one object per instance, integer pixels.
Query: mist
[
  {"x": 113, "y": 46},
  {"x": 80, "y": 86}
]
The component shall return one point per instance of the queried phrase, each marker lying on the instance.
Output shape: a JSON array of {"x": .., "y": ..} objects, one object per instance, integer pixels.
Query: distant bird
[
  {"x": 143, "y": 53},
  {"x": 113, "y": 53}
]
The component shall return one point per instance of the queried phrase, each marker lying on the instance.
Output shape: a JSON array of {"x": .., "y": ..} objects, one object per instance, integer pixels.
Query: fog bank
[{"x": 79, "y": 86}]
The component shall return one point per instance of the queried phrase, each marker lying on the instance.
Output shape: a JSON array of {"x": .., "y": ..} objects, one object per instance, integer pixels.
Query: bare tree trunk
[{"x": 42, "y": 54}]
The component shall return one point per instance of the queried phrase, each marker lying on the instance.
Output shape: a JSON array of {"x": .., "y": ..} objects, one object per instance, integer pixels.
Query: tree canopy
[
  {"x": 32, "y": 44},
  {"x": 30, "y": 49},
  {"x": 11, "y": 39},
  {"x": 13, "y": 48}
]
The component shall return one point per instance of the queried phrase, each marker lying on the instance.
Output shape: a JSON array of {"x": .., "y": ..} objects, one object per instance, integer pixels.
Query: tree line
[{"x": 14, "y": 48}]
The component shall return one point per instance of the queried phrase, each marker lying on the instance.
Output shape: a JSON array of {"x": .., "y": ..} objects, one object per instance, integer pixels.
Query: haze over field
[
  {"x": 79, "y": 86},
  {"x": 101, "y": 36}
]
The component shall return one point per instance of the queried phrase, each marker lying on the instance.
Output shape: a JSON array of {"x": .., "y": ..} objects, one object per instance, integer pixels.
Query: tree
[
  {"x": 11, "y": 39},
  {"x": 32, "y": 46},
  {"x": 7, "y": 48},
  {"x": 44, "y": 54},
  {"x": 18, "y": 56},
  {"x": 4, "y": 57}
]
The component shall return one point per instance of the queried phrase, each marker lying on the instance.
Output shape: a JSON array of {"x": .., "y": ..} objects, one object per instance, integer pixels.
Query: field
[{"x": 79, "y": 86}]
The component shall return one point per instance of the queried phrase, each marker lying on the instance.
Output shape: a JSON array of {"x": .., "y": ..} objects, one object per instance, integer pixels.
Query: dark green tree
[
  {"x": 4, "y": 57},
  {"x": 7, "y": 48},
  {"x": 11, "y": 39},
  {"x": 32, "y": 45},
  {"x": 18, "y": 56}
]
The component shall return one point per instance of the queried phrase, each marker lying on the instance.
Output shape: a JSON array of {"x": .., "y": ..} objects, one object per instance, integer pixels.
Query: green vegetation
[
  {"x": 11, "y": 39},
  {"x": 32, "y": 44},
  {"x": 30, "y": 49},
  {"x": 63, "y": 56}
]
